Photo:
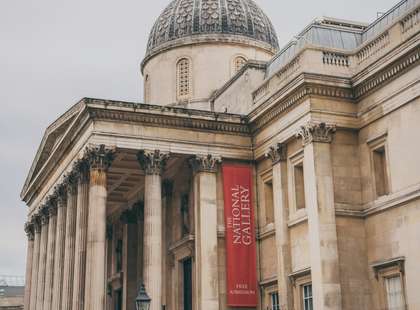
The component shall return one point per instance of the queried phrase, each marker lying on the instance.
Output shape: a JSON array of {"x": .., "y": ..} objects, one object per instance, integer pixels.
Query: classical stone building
[{"x": 325, "y": 130}]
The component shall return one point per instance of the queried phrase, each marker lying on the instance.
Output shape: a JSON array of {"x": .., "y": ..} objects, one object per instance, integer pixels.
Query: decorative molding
[
  {"x": 314, "y": 132},
  {"x": 393, "y": 262},
  {"x": 100, "y": 157},
  {"x": 207, "y": 163},
  {"x": 299, "y": 274},
  {"x": 277, "y": 153},
  {"x": 153, "y": 163}
]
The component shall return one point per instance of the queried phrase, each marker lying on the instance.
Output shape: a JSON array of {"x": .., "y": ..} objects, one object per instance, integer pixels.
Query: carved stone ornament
[
  {"x": 81, "y": 168},
  {"x": 206, "y": 163},
  {"x": 277, "y": 153},
  {"x": 29, "y": 230},
  {"x": 44, "y": 214},
  {"x": 152, "y": 162},
  {"x": 70, "y": 181},
  {"x": 51, "y": 205},
  {"x": 100, "y": 157},
  {"x": 316, "y": 132},
  {"x": 60, "y": 192},
  {"x": 36, "y": 222}
]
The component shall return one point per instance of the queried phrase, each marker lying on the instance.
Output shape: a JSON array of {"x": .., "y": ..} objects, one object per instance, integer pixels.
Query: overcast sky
[{"x": 53, "y": 53}]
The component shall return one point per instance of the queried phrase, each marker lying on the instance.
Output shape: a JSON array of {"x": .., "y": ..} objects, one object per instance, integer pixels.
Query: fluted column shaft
[
  {"x": 100, "y": 159},
  {"x": 42, "y": 263},
  {"x": 205, "y": 187},
  {"x": 59, "y": 249},
  {"x": 35, "y": 264},
  {"x": 278, "y": 155},
  {"x": 81, "y": 236},
  {"x": 68, "y": 273},
  {"x": 52, "y": 226},
  {"x": 153, "y": 164},
  {"x": 319, "y": 200},
  {"x": 29, "y": 229}
]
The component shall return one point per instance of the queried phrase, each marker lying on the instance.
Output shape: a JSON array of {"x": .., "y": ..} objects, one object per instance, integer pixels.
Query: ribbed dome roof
[{"x": 227, "y": 18}]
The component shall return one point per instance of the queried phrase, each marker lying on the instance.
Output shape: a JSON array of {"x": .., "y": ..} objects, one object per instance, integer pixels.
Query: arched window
[
  {"x": 240, "y": 61},
  {"x": 183, "y": 69},
  {"x": 147, "y": 88}
]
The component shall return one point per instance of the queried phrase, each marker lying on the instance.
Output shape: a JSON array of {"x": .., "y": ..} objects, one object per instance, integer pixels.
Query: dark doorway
[
  {"x": 118, "y": 300},
  {"x": 187, "y": 264}
]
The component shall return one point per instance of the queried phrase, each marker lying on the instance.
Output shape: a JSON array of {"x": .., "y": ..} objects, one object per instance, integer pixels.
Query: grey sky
[{"x": 52, "y": 53}]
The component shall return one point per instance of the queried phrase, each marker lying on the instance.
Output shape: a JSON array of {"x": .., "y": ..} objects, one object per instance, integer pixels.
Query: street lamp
[{"x": 143, "y": 300}]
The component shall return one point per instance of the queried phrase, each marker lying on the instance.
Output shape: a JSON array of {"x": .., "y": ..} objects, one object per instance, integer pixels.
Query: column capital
[
  {"x": 99, "y": 157},
  {"x": 207, "y": 163},
  {"x": 29, "y": 230},
  {"x": 316, "y": 132},
  {"x": 277, "y": 153},
  {"x": 44, "y": 214},
  {"x": 154, "y": 162},
  {"x": 51, "y": 205},
  {"x": 70, "y": 182},
  {"x": 60, "y": 192},
  {"x": 36, "y": 222},
  {"x": 81, "y": 168}
]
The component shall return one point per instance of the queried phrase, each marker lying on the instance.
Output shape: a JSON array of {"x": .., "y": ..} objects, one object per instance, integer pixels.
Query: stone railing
[
  {"x": 410, "y": 21},
  {"x": 373, "y": 47},
  {"x": 335, "y": 59}
]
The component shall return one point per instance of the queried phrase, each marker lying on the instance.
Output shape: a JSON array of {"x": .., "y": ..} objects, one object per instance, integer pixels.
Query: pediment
[{"x": 52, "y": 137}]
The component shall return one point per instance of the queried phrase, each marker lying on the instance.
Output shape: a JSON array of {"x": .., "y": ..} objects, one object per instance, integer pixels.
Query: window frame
[
  {"x": 266, "y": 179},
  {"x": 294, "y": 160},
  {"x": 299, "y": 279},
  {"x": 187, "y": 96},
  {"x": 234, "y": 63},
  {"x": 375, "y": 144}
]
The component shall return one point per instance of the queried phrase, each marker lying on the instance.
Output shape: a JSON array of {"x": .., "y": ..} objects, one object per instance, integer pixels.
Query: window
[
  {"x": 307, "y": 297},
  {"x": 394, "y": 293},
  {"x": 240, "y": 61},
  {"x": 299, "y": 186},
  {"x": 269, "y": 205},
  {"x": 275, "y": 301},
  {"x": 380, "y": 171},
  {"x": 183, "y": 79}
]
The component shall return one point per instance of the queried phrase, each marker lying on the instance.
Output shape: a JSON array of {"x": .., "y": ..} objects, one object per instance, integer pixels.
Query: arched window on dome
[
  {"x": 147, "y": 88},
  {"x": 183, "y": 73},
  {"x": 239, "y": 62}
]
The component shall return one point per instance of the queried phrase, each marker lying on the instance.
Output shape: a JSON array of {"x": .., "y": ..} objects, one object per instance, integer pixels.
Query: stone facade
[{"x": 123, "y": 193}]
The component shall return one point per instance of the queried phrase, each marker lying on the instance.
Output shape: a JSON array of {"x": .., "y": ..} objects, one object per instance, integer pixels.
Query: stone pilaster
[
  {"x": 52, "y": 227},
  {"x": 205, "y": 180},
  {"x": 30, "y": 233},
  {"x": 42, "y": 259},
  {"x": 278, "y": 155},
  {"x": 60, "y": 237},
  {"x": 153, "y": 164},
  {"x": 100, "y": 159},
  {"x": 319, "y": 200},
  {"x": 82, "y": 170},
  {"x": 68, "y": 273},
  {"x": 36, "y": 222}
]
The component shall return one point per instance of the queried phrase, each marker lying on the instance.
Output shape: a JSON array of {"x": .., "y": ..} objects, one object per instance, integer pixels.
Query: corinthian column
[
  {"x": 68, "y": 273},
  {"x": 29, "y": 229},
  {"x": 60, "y": 236},
  {"x": 42, "y": 259},
  {"x": 82, "y": 168},
  {"x": 153, "y": 164},
  {"x": 319, "y": 199},
  {"x": 100, "y": 159},
  {"x": 52, "y": 226},
  {"x": 278, "y": 155},
  {"x": 205, "y": 168},
  {"x": 36, "y": 221}
]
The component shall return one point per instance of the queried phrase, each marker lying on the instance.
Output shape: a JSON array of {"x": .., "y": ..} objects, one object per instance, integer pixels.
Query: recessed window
[
  {"x": 269, "y": 204},
  {"x": 240, "y": 61},
  {"x": 147, "y": 88},
  {"x": 299, "y": 183},
  {"x": 307, "y": 297},
  {"x": 275, "y": 301},
  {"x": 183, "y": 79},
  {"x": 380, "y": 171},
  {"x": 394, "y": 293}
]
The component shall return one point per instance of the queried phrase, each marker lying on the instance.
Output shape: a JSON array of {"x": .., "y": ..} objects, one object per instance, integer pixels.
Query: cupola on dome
[{"x": 195, "y": 21}]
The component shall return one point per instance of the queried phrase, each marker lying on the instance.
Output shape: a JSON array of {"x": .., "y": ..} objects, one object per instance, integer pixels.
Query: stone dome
[{"x": 192, "y": 21}]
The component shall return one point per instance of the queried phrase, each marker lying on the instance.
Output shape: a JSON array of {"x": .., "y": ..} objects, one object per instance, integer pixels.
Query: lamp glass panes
[{"x": 143, "y": 300}]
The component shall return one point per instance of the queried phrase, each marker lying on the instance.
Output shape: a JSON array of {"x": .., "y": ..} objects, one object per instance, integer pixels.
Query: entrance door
[{"x": 187, "y": 264}]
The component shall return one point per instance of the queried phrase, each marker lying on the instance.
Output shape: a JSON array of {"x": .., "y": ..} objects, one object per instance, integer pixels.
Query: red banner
[{"x": 241, "y": 261}]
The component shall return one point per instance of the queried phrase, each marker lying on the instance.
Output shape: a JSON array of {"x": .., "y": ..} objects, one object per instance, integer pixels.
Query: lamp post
[{"x": 143, "y": 300}]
